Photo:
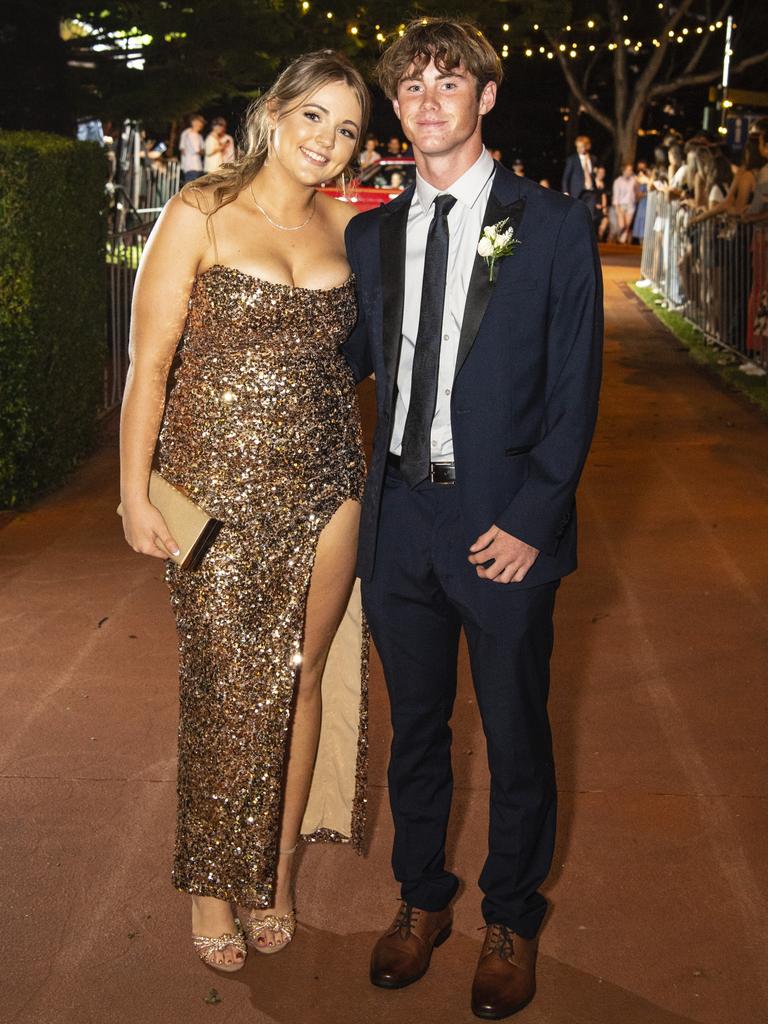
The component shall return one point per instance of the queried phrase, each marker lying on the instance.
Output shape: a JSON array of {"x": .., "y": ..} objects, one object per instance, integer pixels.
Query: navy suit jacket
[
  {"x": 527, "y": 376},
  {"x": 573, "y": 175}
]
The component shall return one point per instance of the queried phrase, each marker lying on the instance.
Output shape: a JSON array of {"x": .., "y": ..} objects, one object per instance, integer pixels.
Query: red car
[{"x": 378, "y": 183}]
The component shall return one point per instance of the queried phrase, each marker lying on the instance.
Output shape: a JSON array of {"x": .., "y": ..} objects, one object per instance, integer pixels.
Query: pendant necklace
[{"x": 282, "y": 227}]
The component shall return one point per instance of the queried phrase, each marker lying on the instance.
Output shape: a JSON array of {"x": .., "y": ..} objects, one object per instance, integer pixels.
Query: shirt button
[
  {"x": 447, "y": 391},
  {"x": 446, "y": 337},
  {"x": 434, "y": 444}
]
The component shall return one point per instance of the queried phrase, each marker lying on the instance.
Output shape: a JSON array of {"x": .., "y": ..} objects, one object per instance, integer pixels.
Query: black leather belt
[{"x": 439, "y": 472}]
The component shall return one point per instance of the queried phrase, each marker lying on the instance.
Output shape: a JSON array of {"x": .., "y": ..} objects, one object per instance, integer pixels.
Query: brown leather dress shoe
[
  {"x": 402, "y": 954},
  {"x": 505, "y": 979}
]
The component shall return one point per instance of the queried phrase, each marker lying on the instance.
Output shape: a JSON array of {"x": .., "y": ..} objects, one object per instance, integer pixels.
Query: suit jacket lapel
[
  {"x": 392, "y": 234},
  {"x": 480, "y": 287}
]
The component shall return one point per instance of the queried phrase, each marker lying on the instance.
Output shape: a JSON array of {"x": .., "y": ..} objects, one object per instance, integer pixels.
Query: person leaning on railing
[
  {"x": 742, "y": 188},
  {"x": 757, "y": 213}
]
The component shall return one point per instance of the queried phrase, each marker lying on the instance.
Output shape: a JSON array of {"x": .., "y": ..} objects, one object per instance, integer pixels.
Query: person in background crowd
[
  {"x": 623, "y": 201},
  {"x": 544, "y": 182},
  {"x": 600, "y": 215},
  {"x": 518, "y": 167},
  {"x": 643, "y": 182},
  {"x": 742, "y": 187},
  {"x": 394, "y": 146},
  {"x": 370, "y": 155},
  {"x": 219, "y": 147},
  {"x": 579, "y": 173},
  {"x": 191, "y": 149},
  {"x": 496, "y": 154},
  {"x": 757, "y": 213}
]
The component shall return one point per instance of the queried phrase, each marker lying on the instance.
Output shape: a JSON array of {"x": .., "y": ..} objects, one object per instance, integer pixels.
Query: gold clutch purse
[{"x": 190, "y": 526}]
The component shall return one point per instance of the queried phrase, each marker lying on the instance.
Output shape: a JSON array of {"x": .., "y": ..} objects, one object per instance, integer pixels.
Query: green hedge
[{"x": 52, "y": 307}]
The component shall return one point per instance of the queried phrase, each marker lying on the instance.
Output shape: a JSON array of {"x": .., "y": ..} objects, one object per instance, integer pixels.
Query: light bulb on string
[
  {"x": 505, "y": 27},
  {"x": 590, "y": 24}
]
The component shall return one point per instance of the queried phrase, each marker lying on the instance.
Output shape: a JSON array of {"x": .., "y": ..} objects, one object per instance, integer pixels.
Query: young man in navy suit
[{"x": 487, "y": 387}]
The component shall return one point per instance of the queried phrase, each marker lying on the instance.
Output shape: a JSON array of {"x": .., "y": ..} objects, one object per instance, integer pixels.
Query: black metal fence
[
  {"x": 124, "y": 251},
  {"x": 714, "y": 273}
]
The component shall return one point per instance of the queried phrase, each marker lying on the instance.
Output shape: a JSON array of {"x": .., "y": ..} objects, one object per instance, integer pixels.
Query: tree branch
[
  {"x": 662, "y": 88},
  {"x": 594, "y": 112},
  {"x": 705, "y": 41},
  {"x": 619, "y": 63}
]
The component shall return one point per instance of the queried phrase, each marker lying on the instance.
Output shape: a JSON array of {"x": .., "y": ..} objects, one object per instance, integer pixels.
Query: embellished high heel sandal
[
  {"x": 281, "y": 924},
  {"x": 207, "y": 946}
]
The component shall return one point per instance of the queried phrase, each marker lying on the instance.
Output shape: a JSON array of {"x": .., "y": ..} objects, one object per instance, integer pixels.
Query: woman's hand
[{"x": 146, "y": 532}]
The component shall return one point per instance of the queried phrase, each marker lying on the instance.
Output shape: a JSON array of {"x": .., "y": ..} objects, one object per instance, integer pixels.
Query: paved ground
[{"x": 659, "y": 714}]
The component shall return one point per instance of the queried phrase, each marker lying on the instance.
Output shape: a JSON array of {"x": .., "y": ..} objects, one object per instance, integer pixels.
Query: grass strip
[{"x": 720, "y": 360}]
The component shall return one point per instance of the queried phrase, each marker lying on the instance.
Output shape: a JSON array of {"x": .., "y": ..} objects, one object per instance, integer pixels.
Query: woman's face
[{"x": 316, "y": 139}]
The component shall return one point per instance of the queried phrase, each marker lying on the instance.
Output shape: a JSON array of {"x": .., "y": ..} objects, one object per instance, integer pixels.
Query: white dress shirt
[
  {"x": 586, "y": 167},
  {"x": 465, "y": 224}
]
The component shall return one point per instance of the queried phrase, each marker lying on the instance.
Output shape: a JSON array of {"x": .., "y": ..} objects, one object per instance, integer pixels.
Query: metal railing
[
  {"x": 124, "y": 251},
  {"x": 712, "y": 273}
]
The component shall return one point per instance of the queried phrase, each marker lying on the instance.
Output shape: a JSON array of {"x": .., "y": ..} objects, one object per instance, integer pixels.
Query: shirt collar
[{"x": 467, "y": 189}]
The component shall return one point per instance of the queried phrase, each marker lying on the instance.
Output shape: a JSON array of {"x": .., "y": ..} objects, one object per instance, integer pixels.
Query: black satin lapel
[
  {"x": 480, "y": 287},
  {"x": 392, "y": 232}
]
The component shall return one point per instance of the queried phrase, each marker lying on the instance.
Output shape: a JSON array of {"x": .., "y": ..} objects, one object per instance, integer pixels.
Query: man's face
[
  {"x": 582, "y": 147},
  {"x": 197, "y": 125},
  {"x": 393, "y": 146},
  {"x": 440, "y": 110}
]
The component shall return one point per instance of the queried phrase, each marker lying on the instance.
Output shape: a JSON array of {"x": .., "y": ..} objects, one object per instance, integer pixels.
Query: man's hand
[{"x": 512, "y": 558}]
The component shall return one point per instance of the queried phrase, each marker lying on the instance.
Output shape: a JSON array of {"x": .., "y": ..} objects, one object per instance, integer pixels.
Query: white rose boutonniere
[{"x": 496, "y": 243}]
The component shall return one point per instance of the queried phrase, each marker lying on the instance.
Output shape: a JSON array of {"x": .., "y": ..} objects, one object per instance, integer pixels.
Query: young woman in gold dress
[{"x": 261, "y": 428}]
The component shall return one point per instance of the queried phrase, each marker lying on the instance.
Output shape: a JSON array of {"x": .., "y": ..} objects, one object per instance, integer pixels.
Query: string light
[{"x": 569, "y": 48}]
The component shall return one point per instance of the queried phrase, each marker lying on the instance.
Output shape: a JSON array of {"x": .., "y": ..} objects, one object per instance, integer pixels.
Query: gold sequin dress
[{"x": 262, "y": 429}]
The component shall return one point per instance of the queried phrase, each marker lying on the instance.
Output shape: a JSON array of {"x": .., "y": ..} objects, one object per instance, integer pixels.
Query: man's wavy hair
[{"x": 449, "y": 43}]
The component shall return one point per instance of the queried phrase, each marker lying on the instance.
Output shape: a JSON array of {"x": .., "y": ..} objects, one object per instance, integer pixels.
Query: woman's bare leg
[{"x": 332, "y": 578}]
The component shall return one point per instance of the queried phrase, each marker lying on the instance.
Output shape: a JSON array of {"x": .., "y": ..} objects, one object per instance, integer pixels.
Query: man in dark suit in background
[
  {"x": 579, "y": 173},
  {"x": 487, "y": 388}
]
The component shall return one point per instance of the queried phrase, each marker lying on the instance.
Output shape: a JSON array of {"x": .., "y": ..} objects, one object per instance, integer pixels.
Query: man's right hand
[{"x": 146, "y": 531}]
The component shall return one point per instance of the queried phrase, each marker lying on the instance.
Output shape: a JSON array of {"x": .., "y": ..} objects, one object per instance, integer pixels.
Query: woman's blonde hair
[{"x": 301, "y": 78}]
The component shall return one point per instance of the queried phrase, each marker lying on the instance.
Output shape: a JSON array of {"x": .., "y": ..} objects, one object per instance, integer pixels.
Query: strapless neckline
[{"x": 276, "y": 284}]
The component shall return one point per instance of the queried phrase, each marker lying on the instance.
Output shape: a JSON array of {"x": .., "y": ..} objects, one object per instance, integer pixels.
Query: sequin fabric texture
[{"x": 262, "y": 429}]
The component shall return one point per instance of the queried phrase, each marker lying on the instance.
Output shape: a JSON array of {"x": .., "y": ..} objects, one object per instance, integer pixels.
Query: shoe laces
[
  {"x": 500, "y": 942},
  {"x": 406, "y": 916}
]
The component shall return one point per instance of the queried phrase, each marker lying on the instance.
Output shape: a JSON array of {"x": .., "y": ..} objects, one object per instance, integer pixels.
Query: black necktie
[{"x": 414, "y": 459}]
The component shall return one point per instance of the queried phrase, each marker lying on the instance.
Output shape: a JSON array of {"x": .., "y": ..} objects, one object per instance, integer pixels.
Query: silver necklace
[{"x": 282, "y": 227}]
